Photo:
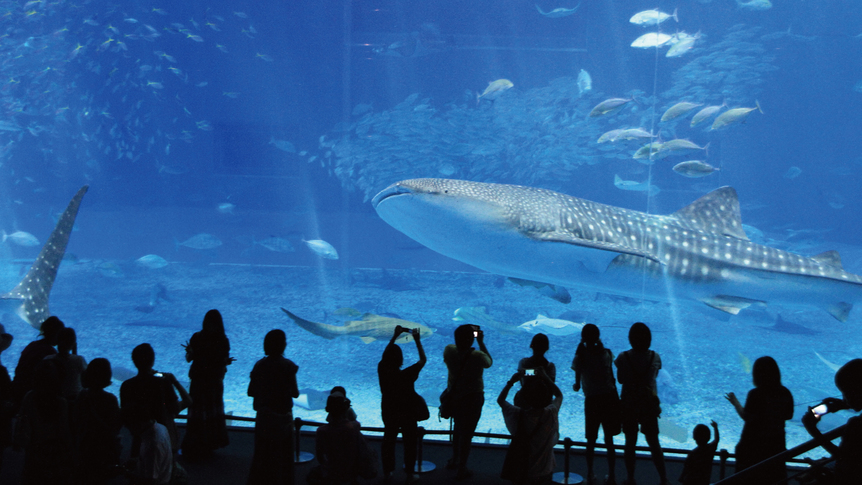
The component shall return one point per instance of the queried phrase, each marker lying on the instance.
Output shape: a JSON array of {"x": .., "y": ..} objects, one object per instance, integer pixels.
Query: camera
[
  {"x": 159, "y": 374},
  {"x": 406, "y": 330},
  {"x": 475, "y": 331},
  {"x": 820, "y": 409},
  {"x": 529, "y": 372}
]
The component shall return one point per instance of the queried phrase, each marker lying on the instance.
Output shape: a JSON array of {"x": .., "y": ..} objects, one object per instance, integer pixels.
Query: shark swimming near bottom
[
  {"x": 698, "y": 253},
  {"x": 29, "y": 299}
]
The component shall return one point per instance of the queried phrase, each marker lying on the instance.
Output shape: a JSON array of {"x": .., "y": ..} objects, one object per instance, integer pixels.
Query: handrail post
[
  {"x": 299, "y": 456},
  {"x": 421, "y": 465},
  {"x": 565, "y": 477},
  {"x": 723, "y": 455}
]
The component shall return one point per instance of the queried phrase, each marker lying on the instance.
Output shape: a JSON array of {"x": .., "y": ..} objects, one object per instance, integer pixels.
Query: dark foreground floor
[{"x": 230, "y": 465}]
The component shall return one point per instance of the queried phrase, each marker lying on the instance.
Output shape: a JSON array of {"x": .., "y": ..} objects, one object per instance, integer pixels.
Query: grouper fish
[
  {"x": 369, "y": 329},
  {"x": 699, "y": 253}
]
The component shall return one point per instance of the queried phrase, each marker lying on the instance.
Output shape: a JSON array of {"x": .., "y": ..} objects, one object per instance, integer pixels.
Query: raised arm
[
  {"x": 736, "y": 404},
  {"x": 714, "y": 432},
  {"x": 501, "y": 399},
  {"x": 480, "y": 339},
  {"x": 416, "y": 338}
]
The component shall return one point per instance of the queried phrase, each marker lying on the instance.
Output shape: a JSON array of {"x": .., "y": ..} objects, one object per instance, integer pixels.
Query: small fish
[
  {"x": 201, "y": 241},
  {"x": 679, "y": 144},
  {"x": 792, "y": 173},
  {"x": 494, "y": 89},
  {"x": 733, "y": 116},
  {"x": 679, "y": 109},
  {"x": 648, "y": 151},
  {"x": 683, "y": 44},
  {"x": 706, "y": 113},
  {"x": 277, "y": 244},
  {"x": 225, "y": 208},
  {"x": 635, "y": 186},
  {"x": 151, "y": 261},
  {"x": 694, "y": 169},
  {"x": 558, "y": 12},
  {"x": 652, "y": 17},
  {"x": 634, "y": 134},
  {"x": 322, "y": 248},
  {"x": 755, "y": 4},
  {"x": 652, "y": 39},
  {"x": 585, "y": 82},
  {"x": 21, "y": 238},
  {"x": 110, "y": 269},
  {"x": 283, "y": 145},
  {"x": 552, "y": 326},
  {"x": 610, "y": 136},
  {"x": 609, "y": 106}
]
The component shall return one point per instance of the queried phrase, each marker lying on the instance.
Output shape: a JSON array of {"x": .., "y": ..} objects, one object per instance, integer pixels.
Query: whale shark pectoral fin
[
  {"x": 731, "y": 304},
  {"x": 605, "y": 253},
  {"x": 840, "y": 310}
]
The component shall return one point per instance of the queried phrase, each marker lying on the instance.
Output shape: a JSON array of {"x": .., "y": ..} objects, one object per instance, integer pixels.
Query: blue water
[{"x": 169, "y": 111}]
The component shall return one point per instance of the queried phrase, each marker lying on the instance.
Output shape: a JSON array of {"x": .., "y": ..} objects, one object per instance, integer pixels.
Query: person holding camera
[
  {"x": 401, "y": 407},
  {"x": 848, "y": 454},
  {"x": 534, "y": 426},
  {"x": 539, "y": 345},
  {"x": 466, "y": 367},
  {"x": 767, "y": 407}
]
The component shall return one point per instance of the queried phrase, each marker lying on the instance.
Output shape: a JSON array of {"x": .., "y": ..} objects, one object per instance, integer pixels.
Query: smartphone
[
  {"x": 529, "y": 372},
  {"x": 820, "y": 409},
  {"x": 476, "y": 331},
  {"x": 159, "y": 374}
]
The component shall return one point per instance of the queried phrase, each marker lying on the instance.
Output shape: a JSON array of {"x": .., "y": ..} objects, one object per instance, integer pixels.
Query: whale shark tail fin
[{"x": 33, "y": 291}]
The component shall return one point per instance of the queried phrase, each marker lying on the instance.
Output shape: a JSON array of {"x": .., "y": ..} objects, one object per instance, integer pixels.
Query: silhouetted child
[
  {"x": 539, "y": 345},
  {"x": 697, "y": 469}
]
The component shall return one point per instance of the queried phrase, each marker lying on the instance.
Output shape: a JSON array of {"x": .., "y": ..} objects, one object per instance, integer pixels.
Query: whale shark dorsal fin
[
  {"x": 716, "y": 212},
  {"x": 831, "y": 257},
  {"x": 35, "y": 288}
]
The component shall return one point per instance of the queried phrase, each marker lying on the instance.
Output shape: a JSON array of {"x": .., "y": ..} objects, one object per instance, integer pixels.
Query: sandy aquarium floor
[{"x": 703, "y": 357}]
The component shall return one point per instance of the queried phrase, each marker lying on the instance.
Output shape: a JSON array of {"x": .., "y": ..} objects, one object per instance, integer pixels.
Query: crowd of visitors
[{"x": 56, "y": 411}]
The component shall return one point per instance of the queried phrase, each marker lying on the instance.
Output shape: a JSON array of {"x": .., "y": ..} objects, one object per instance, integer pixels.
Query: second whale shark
[{"x": 697, "y": 253}]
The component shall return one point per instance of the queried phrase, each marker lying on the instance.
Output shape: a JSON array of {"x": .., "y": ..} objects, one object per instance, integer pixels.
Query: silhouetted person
[
  {"x": 534, "y": 427},
  {"x": 32, "y": 355},
  {"x": 351, "y": 413},
  {"x": 45, "y": 437},
  {"x": 594, "y": 371},
  {"x": 155, "y": 464},
  {"x": 71, "y": 364},
  {"x": 273, "y": 387},
  {"x": 466, "y": 366},
  {"x": 7, "y": 406},
  {"x": 539, "y": 345},
  {"x": 637, "y": 370},
  {"x": 342, "y": 451},
  {"x": 96, "y": 426},
  {"x": 401, "y": 407},
  {"x": 151, "y": 395},
  {"x": 697, "y": 469},
  {"x": 848, "y": 454},
  {"x": 767, "y": 407},
  {"x": 209, "y": 353}
]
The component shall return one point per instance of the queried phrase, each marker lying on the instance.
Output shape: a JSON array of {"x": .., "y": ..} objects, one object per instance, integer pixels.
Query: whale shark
[
  {"x": 699, "y": 253},
  {"x": 29, "y": 299}
]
